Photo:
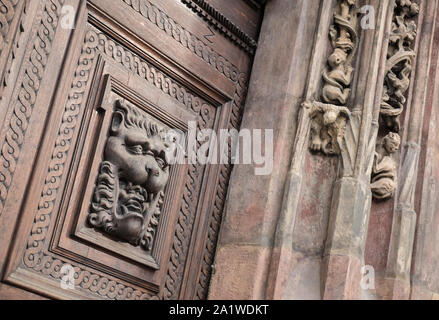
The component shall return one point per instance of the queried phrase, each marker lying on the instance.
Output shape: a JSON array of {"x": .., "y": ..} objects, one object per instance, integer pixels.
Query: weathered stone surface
[
  {"x": 277, "y": 82},
  {"x": 248, "y": 265},
  {"x": 343, "y": 277},
  {"x": 316, "y": 216}
]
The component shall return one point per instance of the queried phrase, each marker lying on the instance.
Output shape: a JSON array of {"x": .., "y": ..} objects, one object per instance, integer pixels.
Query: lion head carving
[{"x": 129, "y": 189}]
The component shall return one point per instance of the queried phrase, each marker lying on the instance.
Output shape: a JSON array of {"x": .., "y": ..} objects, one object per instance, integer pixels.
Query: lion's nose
[{"x": 152, "y": 169}]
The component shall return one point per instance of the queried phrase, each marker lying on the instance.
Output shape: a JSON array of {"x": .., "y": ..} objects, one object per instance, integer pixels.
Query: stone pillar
[
  {"x": 424, "y": 275},
  {"x": 262, "y": 251},
  {"x": 398, "y": 270},
  {"x": 349, "y": 217},
  {"x": 301, "y": 232},
  {"x": 275, "y": 94}
]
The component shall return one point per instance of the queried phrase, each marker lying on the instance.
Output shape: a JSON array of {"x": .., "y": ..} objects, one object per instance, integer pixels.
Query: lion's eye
[{"x": 137, "y": 149}]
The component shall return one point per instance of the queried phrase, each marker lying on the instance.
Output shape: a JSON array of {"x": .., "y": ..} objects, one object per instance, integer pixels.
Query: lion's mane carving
[{"x": 130, "y": 186}]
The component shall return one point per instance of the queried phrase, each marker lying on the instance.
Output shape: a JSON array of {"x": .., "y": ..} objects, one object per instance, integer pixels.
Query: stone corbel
[
  {"x": 328, "y": 123},
  {"x": 329, "y": 117}
]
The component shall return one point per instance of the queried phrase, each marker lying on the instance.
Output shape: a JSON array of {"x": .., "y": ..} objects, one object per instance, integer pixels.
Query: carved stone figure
[
  {"x": 129, "y": 190},
  {"x": 393, "y": 100},
  {"x": 398, "y": 72},
  {"x": 384, "y": 171},
  {"x": 327, "y": 127},
  {"x": 337, "y": 80},
  {"x": 328, "y": 119},
  {"x": 344, "y": 41}
]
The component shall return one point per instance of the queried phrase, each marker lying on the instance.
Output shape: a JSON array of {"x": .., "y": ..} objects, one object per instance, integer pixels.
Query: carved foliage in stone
[
  {"x": 330, "y": 117},
  {"x": 129, "y": 191},
  {"x": 399, "y": 63},
  {"x": 397, "y": 81}
]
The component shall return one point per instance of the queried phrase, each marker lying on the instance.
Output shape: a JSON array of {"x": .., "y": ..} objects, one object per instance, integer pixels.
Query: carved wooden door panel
[{"x": 90, "y": 185}]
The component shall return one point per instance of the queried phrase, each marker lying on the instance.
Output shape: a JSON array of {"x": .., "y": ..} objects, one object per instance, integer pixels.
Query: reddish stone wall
[
  {"x": 311, "y": 227},
  {"x": 306, "y": 231}
]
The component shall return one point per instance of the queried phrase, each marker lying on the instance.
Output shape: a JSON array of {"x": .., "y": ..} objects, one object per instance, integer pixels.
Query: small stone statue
[
  {"x": 337, "y": 79},
  {"x": 384, "y": 174},
  {"x": 328, "y": 123},
  {"x": 330, "y": 116}
]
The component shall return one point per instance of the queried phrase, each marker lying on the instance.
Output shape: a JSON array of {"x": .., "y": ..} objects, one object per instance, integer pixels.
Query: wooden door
[{"x": 89, "y": 118}]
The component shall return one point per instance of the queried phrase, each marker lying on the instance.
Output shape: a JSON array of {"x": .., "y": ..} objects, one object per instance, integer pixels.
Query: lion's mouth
[
  {"x": 132, "y": 201},
  {"x": 133, "y": 206}
]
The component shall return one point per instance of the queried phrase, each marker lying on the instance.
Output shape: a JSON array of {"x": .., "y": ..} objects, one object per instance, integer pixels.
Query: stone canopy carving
[
  {"x": 330, "y": 116},
  {"x": 397, "y": 81},
  {"x": 130, "y": 186}
]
